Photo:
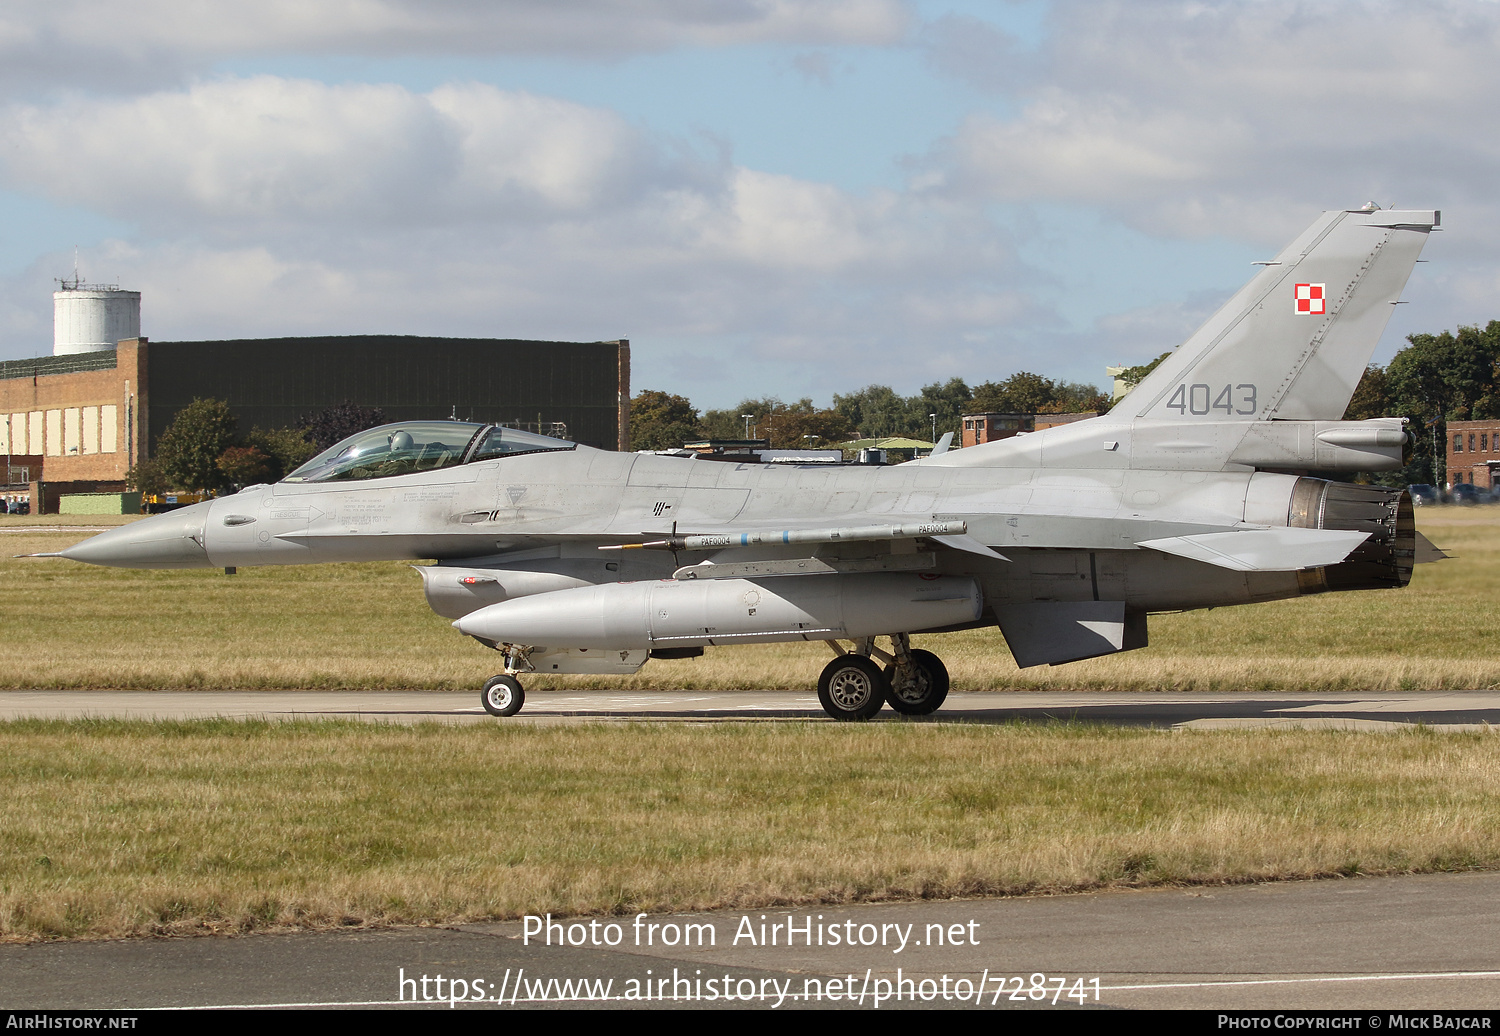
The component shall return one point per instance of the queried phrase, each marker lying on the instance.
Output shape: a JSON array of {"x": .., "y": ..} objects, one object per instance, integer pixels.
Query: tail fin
[{"x": 1293, "y": 343}]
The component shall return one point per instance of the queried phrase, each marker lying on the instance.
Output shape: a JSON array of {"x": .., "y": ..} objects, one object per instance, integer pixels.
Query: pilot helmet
[{"x": 401, "y": 441}]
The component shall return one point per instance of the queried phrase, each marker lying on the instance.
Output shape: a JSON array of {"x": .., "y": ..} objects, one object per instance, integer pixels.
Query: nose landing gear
[{"x": 503, "y": 695}]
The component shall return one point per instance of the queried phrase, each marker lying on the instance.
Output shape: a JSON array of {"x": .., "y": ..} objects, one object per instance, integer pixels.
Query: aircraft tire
[
  {"x": 852, "y": 688},
  {"x": 503, "y": 696},
  {"x": 923, "y": 694}
]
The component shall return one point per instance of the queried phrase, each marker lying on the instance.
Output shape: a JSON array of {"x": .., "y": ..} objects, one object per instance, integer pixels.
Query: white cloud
[
  {"x": 270, "y": 206},
  {"x": 233, "y": 150},
  {"x": 564, "y": 156},
  {"x": 1069, "y": 148},
  {"x": 296, "y": 160},
  {"x": 114, "y": 44},
  {"x": 1223, "y": 117},
  {"x": 251, "y": 154}
]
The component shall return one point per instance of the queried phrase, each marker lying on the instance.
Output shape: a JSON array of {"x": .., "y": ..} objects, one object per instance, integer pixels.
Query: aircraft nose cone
[{"x": 172, "y": 540}]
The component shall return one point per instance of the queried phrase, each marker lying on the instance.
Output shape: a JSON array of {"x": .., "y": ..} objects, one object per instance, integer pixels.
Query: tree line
[
  {"x": 202, "y": 448},
  {"x": 663, "y": 421},
  {"x": 1437, "y": 378}
]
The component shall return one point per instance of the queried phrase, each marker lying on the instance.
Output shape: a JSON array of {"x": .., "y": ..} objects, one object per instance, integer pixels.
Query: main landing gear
[{"x": 853, "y": 687}]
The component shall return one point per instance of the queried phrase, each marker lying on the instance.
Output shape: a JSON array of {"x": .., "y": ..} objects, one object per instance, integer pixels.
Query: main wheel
[
  {"x": 503, "y": 696},
  {"x": 852, "y": 687},
  {"x": 923, "y": 690}
]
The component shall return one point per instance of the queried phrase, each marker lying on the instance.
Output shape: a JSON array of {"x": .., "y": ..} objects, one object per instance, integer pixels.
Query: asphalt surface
[
  {"x": 1449, "y": 710},
  {"x": 1407, "y": 943}
]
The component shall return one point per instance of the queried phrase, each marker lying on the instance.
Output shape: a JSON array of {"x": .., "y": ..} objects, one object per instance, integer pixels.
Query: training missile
[{"x": 719, "y": 540}]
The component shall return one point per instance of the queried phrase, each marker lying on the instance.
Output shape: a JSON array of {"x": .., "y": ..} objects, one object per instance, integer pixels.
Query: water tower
[{"x": 90, "y": 318}]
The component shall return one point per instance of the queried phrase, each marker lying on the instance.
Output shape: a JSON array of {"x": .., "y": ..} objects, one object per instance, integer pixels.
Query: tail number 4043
[{"x": 1201, "y": 400}]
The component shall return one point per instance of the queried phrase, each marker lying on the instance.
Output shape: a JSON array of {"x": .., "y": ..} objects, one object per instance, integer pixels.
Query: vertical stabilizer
[{"x": 1293, "y": 343}]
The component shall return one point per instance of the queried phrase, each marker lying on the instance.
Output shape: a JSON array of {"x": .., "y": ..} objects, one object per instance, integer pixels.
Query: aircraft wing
[
  {"x": 1263, "y": 550},
  {"x": 954, "y": 535}
]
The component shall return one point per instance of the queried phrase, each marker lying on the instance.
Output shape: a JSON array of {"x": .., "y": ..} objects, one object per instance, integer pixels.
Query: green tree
[
  {"x": 1448, "y": 375},
  {"x": 244, "y": 466},
  {"x": 1439, "y": 378},
  {"x": 731, "y": 424},
  {"x": 336, "y": 423},
  {"x": 792, "y": 426},
  {"x": 1072, "y": 397},
  {"x": 722, "y": 424},
  {"x": 188, "y": 451},
  {"x": 287, "y": 449},
  {"x": 949, "y": 400},
  {"x": 661, "y": 421},
  {"x": 801, "y": 425},
  {"x": 1021, "y": 393},
  {"x": 1372, "y": 397},
  {"x": 147, "y": 478},
  {"x": 876, "y": 411},
  {"x": 1133, "y": 376}
]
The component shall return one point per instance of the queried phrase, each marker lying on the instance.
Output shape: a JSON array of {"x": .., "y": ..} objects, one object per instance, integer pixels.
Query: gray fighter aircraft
[{"x": 1188, "y": 494}]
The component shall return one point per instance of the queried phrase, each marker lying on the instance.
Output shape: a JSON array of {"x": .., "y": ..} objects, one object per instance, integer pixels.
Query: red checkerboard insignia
[{"x": 1310, "y": 299}]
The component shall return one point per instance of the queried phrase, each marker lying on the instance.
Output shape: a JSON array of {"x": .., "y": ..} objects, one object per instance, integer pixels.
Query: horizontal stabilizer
[
  {"x": 1428, "y": 552},
  {"x": 1263, "y": 550},
  {"x": 1052, "y": 632}
]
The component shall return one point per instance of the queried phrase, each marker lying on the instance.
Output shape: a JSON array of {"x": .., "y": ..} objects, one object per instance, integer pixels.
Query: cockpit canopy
[{"x": 400, "y": 449}]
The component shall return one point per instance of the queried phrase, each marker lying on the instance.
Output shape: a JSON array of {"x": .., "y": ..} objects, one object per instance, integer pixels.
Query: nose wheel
[{"x": 502, "y": 696}]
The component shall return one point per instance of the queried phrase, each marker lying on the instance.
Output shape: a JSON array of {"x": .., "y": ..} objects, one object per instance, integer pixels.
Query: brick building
[
  {"x": 1474, "y": 453},
  {"x": 980, "y": 428},
  {"x": 71, "y": 419},
  {"x": 79, "y": 422},
  {"x": 1054, "y": 420}
]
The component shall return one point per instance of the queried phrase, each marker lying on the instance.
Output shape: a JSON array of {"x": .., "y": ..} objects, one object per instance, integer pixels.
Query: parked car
[
  {"x": 1422, "y": 494},
  {"x": 1468, "y": 494}
]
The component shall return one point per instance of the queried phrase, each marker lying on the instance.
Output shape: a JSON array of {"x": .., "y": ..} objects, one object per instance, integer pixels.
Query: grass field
[
  {"x": 120, "y": 828},
  {"x": 69, "y": 625}
]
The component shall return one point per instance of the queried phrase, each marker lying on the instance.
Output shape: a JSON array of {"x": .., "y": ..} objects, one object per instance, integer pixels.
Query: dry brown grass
[
  {"x": 366, "y": 626},
  {"x": 32, "y": 521},
  {"x": 120, "y": 828}
]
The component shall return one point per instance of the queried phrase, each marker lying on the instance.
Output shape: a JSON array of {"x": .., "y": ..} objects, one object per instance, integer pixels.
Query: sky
[{"x": 767, "y": 197}]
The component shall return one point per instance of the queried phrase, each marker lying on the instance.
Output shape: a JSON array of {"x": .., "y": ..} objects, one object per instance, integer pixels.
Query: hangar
[{"x": 77, "y": 421}]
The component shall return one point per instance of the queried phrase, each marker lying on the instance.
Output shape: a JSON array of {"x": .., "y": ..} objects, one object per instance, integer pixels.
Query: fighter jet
[{"x": 1190, "y": 493}]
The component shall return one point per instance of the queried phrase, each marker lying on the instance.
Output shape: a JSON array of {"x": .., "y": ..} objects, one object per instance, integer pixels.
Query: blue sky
[{"x": 768, "y": 197}]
